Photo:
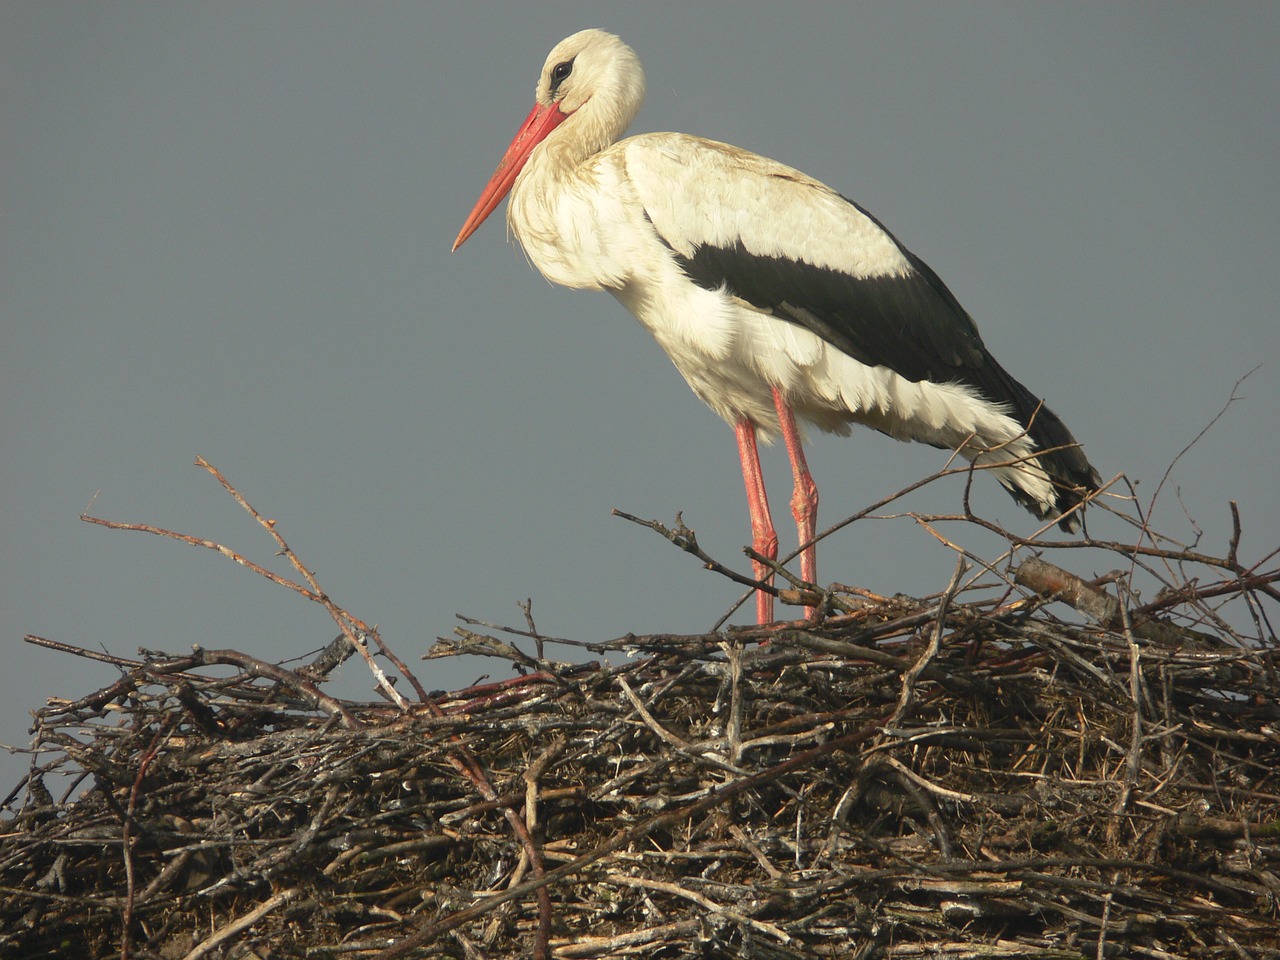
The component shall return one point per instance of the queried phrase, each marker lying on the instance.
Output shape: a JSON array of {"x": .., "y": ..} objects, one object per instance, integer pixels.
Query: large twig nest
[{"x": 962, "y": 775}]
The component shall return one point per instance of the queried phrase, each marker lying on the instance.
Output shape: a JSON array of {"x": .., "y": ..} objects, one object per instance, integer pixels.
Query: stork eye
[{"x": 560, "y": 72}]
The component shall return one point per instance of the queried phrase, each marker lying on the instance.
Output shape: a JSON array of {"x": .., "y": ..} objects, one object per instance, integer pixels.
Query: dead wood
[{"x": 984, "y": 772}]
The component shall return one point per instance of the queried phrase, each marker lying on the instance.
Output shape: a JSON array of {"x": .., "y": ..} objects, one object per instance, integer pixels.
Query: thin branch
[
  {"x": 687, "y": 540},
  {"x": 912, "y": 675},
  {"x": 1151, "y": 504},
  {"x": 239, "y": 925},
  {"x": 208, "y": 545}
]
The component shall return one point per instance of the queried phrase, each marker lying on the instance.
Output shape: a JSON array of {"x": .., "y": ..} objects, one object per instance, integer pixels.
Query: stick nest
[{"x": 981, "y": 773}]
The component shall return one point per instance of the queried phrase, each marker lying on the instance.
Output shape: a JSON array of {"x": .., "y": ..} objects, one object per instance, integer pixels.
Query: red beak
[{"x": 540, "y": 122}]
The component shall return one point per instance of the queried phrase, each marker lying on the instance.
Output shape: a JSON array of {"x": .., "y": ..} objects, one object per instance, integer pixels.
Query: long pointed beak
[{"x": 540, "y": 122}]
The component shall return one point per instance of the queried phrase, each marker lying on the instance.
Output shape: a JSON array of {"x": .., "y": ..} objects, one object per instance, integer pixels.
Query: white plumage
[{"x": 770, "y": 292}]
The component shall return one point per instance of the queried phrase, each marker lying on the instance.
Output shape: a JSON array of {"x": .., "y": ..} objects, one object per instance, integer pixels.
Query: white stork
[{"x": 775, "y": 297}]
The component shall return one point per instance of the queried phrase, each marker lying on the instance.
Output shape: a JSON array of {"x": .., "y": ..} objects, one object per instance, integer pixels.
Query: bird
[{"x": 781, "y": 302}]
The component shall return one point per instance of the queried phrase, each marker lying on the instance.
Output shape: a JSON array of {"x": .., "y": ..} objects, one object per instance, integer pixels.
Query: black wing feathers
[{"x": 911, "y": 324}]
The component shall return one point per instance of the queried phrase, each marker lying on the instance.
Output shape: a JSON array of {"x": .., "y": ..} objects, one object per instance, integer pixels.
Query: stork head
[
  {"x": 590, "y": 64},
  {"x": 591, "y": 78}
]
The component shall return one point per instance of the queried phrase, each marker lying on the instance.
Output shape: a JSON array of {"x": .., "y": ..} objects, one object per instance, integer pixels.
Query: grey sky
[{"x": 225, "y": 230}]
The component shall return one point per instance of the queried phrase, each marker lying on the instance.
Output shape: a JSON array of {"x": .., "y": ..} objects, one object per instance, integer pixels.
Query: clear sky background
[{"x": 225, "y": 231}]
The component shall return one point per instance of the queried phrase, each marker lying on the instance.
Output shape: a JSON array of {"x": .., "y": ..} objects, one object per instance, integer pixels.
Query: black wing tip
[
  {"x": 1074, "y": 480},
  {"x": 1072, "y": 500},
  {"x": 1059, "y": 454}
]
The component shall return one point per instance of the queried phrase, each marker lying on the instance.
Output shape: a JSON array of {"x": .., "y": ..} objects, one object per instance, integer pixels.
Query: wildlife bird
[{"x": 775, "y": 297}]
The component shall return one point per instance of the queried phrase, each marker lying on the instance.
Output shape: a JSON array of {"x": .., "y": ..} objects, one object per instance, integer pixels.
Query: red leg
[
  {"x": 804, "y": 499},
  {"x": 764, "y": 539}
]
